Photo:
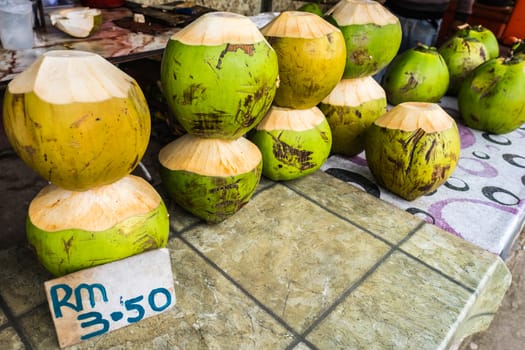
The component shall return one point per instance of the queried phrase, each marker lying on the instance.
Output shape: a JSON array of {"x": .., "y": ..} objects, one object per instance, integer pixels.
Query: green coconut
[
  {"x": 491, "y": 98},
  {"x": 293, "y": 142},
  {"x": 419, "y": 74},
  {"x": 219, "y": 75},
  {"x": 412, "y": 149},
  {"x": 372, "y": 35},
  {"x": 483, "y": 35},
  {"x": 76, "y": 119},
  {"x": 70, "y": 230},
  {"x": 311, "y": 55},
  {"x": 211, "y": 178},
  {"x": 518, "y": 49},
  {"x": 461, "y": 54},
  {"x": 311, "y": 7},
  {"x": 352, "y": 106}
]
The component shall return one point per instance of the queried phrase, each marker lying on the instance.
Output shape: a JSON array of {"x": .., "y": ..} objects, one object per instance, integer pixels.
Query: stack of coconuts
[
  {"x": 219, "y": 76},
  {"x": 411, "y": 149},
  {"x": 396, "y": 142},
  {"x": 83, "y": 125},
  {"x": 372, "y": 36},
  {"x": 295, "y": 137}
]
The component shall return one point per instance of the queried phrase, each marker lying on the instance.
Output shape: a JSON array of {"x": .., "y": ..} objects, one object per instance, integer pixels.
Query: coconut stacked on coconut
[
  {"x": 83, "y": 125},
  {"x": 294, "y": 137},
  {"x": 372, "y": 38},
  {"x": 219, "y": 76}
]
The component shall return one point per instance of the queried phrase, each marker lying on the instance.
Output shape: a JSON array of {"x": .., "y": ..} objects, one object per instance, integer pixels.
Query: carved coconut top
[
  {"x": 298, "y": 24},
  {"x": 354, "y": 92},
  {"x": 410, "y": 116},
  {"x": 68, "y": 76},
  {"x": 97, "y": 209},
  {"x": 210, "y": 156},
  {"x": 218, "y": 28},
  {"x": 347, "y": 12},
  {"x": 282, "y": 118}
]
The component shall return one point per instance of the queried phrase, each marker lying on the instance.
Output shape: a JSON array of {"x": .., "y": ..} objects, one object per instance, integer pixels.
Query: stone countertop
[{"x": 313, "y": 263}]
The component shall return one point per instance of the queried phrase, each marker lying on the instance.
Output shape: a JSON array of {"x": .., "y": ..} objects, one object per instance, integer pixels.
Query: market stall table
[{"x": 313, "y": 263}]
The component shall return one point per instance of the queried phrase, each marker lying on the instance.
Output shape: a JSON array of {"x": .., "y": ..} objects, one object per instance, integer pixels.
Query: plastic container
[{"x": 16, "y": 24}]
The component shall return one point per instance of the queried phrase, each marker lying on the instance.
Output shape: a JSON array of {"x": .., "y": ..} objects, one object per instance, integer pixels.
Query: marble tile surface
[
  {"x": 402, "y": 305},
  {"x": 21, "y": 280},
  {"x": 307, "y": 264},
  {"x": 9, "y": 339},
  {"x": 364, "y": 211},
  {"x": 3, "y": 318},
  {"x": 299, "y": 264}
]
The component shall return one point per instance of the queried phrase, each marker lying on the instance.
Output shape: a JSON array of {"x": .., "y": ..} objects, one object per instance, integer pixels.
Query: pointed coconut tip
[
  {"x": 410, "y": 116},
  {"x": 100, "y": 208},
  {"x": 298, "y": 24},
  {"x": 68, "y": 76},
  {"x": 219, "y": 28},
  {"x": 354, "y": 92},
  {"x": 209, "y": 156},
  {"x": 282, "y": 118},
  {"x": 348, "y": 12}
]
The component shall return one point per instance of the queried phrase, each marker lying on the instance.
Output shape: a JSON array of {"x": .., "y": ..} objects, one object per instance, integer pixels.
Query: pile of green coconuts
[{"x": 274, "y": 101}]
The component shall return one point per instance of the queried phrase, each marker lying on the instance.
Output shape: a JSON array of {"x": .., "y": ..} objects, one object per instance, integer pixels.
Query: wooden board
[{"x": 98, "y": 300}]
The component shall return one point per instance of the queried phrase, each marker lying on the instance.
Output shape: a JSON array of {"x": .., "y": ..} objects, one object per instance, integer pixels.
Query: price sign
[{"x": 98, "y": 300}]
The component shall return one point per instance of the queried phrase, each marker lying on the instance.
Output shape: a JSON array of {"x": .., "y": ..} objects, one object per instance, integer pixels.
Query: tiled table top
[{"x": 313, "y": 263}]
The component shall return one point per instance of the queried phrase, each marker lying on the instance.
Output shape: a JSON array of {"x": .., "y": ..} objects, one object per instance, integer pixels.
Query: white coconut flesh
[
  {"x": 69, "y": 76},
  {"x": 298, "y": 24},
  {"x": 281, "y": 118},
  {"x": 355, "y": 92},
  {"x": 358, "y": 12},
  {"x": 218, "y": 28},
  {"x": 97, "y": 209},
  {"x": 209, "y": 156},
  {"x": 77, "y": 21},
  {"x": 410, "y": 116}
]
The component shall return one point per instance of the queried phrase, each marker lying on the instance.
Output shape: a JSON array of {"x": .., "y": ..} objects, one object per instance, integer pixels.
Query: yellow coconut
[
  {"x": 352, "y": 106},
  {"x": 72, "y": 230},
  {"x": 311, "y": 55},
  {"x": 76, "y": 119}
]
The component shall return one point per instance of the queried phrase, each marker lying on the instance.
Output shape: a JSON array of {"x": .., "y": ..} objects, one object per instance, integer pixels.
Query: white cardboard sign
[{"x": 98, "y": 300}]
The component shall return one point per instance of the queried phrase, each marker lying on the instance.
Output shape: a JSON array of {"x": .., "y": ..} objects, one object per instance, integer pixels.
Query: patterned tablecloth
[{"x": 483, "y": 200}]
